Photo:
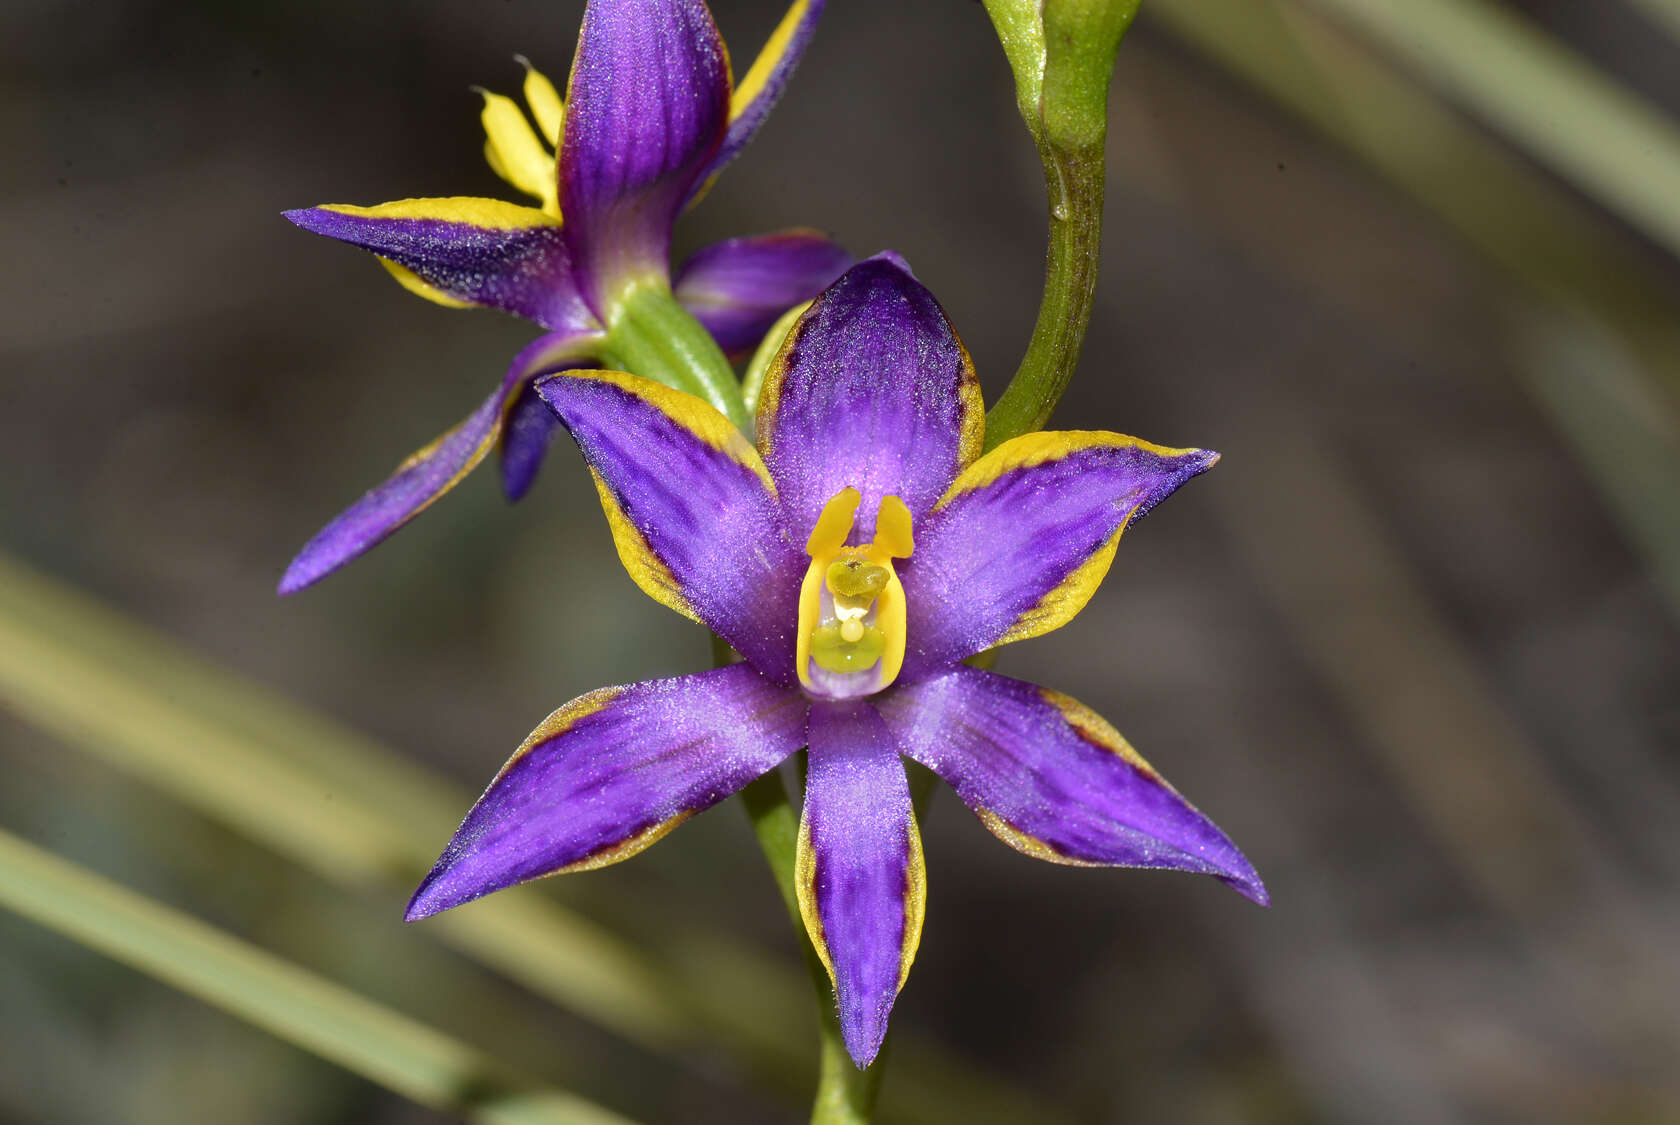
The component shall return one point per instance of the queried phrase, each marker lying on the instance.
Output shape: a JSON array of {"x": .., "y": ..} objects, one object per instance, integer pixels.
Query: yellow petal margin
[
  {"x": 492, "y": 214},
  {"x": 1099, "y": 732},
  {"x": 915, "y": 900},
  {"x": 775, "y": 48},
  {"x": 1062, "y": 603},
  {"x": 701, "y": 420}
]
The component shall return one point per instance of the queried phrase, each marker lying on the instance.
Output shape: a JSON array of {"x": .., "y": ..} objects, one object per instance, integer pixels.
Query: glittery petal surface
[
  {"x": 861, "y": 882},
  {"x": 1026, "y": 535},
  {"x": 646, "y": 109},
  {"x": 1053, "y": 779},
  {"x": 611, "y": 772},
  {"x": 757, "y": 90},
  {"x": 739, "y": 287},
  {"x": 691, "y": 509},
  {"x": 432, "y": 471},
  {"x": 873, "y": 390},
  {"x": 466, "y": 251}
]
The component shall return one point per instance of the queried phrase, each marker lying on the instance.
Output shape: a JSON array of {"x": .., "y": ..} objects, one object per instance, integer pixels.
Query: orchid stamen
[{"x": 851, "y": 607}]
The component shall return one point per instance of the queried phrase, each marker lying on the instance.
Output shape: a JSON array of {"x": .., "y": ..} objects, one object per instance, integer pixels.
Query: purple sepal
[
  {"x": 750, "y": 116},
  {"x": 737, "y": 288},
  {"x": 996, "y": 551},
  {"x": 876, "y": 393},
  {"x": 609, "y": 773},
  {"x": 1044, "y": 768},
  {"x": 647, "y": 107},
  {"x": 524, "y": 270},
  {"x": 526, "y": 436},
  {"x": 432, "y": 471},
  {"x": 864, "y": 876},
  {"x": 707, "y": 519}
]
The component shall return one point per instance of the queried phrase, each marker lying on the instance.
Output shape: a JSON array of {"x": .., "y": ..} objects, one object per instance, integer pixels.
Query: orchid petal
[
  {"x": 515, "y": 153},
  {"x": 760, "y": 87},
  {"x": 1022, "y": 540},
  {"x": 465, "y": 251},
  {"x": 432, "y": 471},
  {"x": 646, "y": 108},
  {"x": 610, "y": 773},
  {"x": 871, "y": 390},
  {"x": 546, "y": 107},
  {"x": 859, "y": 874},
  {"x": 739, "y": 287},
  {"x": 692, "y": 509},
  {"x": 1052, "y": 779},
  {"x": 526, "y": 436}
]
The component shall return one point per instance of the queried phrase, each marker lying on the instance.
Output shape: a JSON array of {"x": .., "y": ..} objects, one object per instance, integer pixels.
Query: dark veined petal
[
  {"x": 610, "y": 773},
  {"x": 739, "y": 287},
  {"x": 1049, "y": 777},
  {"x": 646, "y": 108},
  {"x": 526, "y": 436},
  {"x": 432, "y": 471},
  {"x": 872, "y": 390},
  {"x": 859, "y": 874},
  {"x": 465, "y": 251},
  {"x": 691, "y": 507},
  {"x": 1025, "y": 536},
  {"x": 756, "y": 93}
]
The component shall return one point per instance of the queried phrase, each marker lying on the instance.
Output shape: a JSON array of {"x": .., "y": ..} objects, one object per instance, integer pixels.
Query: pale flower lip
[
  {"x": 653, "y": 116},
  {"x": 872, "y": 391}
]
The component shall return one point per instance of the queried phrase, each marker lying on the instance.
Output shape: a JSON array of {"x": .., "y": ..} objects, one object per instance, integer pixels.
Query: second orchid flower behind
[
  {"x": 653, "y": 115},
  {"x": 855, "y": 558}
]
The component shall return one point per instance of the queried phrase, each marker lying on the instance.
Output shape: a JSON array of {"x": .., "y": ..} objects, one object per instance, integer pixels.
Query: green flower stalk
[{"x": 1062, "y": 53}]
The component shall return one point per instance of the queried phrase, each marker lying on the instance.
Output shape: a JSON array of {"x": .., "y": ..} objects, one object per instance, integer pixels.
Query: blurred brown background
[{"x": 1405, "y": 644}]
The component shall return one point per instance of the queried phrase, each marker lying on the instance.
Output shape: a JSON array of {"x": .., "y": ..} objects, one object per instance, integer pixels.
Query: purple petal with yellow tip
[
  {"x": 691, "y": 508},
  {"x": 1025, "y": 536},
  {"x": 1048, "y": 776},
  {"x": 872, "y": 390},
  {"x": 757, "y": 90},
  {"x": 466, "y": 251},
  {"x": 610, "y": 773},
  {"x": 431, "y": 472},
  {"x": 859, "y": 875},
  {"x": 646, "y": 109},
  {"x": 739, "y": 287}
]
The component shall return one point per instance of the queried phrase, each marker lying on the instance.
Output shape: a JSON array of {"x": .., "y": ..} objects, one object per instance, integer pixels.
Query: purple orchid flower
[
  {"x": 651, "y": 116},
  {"x": 854, "y": 559}
]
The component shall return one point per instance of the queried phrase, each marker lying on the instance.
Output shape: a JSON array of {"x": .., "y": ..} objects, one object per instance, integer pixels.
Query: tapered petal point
[
  {"x": 466, "y": 250},
  {"x": 859, "y": 871},
  {"x": 612, "y": 772},
  {"x": 1021, "y": 541},
  {"x": 757, "y": 90},
  {"x": 1054, "y": 780},
  {"x": 427, "y": 474}
]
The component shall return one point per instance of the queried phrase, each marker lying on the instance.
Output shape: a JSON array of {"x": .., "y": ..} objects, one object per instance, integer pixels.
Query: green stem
[
  {"x": 1074, "y": 181},
  {"x": 649, "y": 334}
]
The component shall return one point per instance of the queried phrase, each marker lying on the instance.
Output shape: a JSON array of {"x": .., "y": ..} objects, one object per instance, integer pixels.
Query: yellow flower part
[
  {"x": 851, "y": 605},
  {"x": 514, "y": 150}
]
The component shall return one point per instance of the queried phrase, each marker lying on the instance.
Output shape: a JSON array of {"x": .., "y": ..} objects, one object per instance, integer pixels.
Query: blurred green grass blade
[
  {"x": 324, "y": 1018},
  {"x": 361, "y": 816},
  {"x": 1510, "y": 213},
  {"x": 300, "y": 785},
  {"x": 1664, "y": 12},
  {"x": 1557, "y": 106}
]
